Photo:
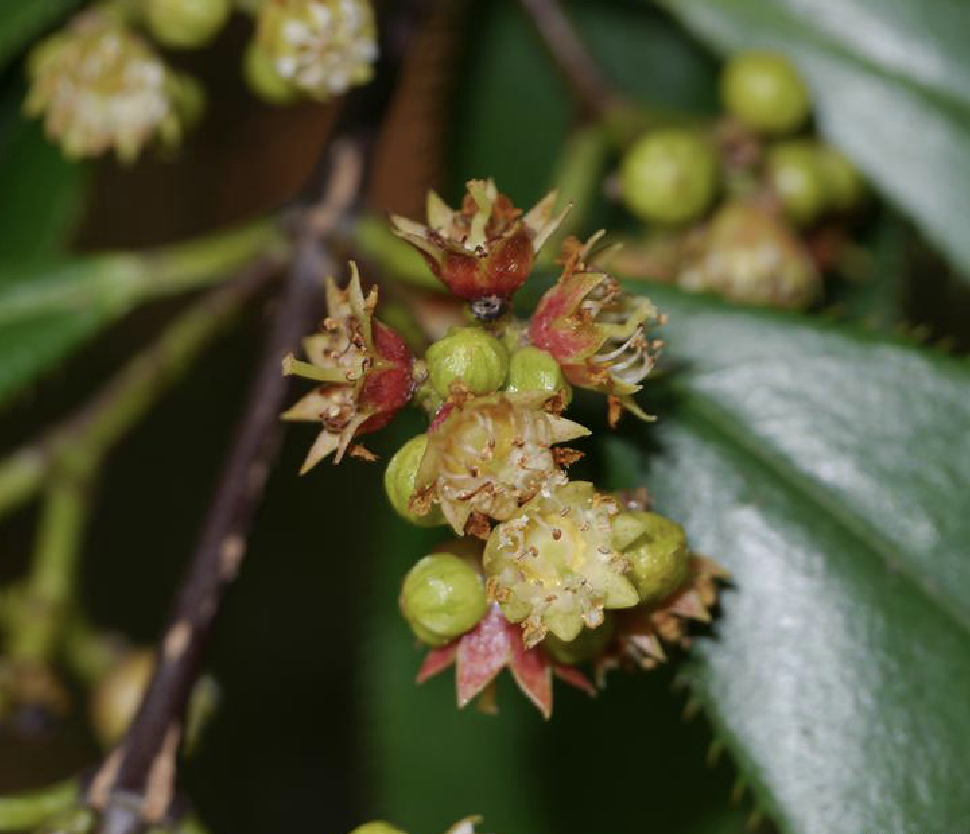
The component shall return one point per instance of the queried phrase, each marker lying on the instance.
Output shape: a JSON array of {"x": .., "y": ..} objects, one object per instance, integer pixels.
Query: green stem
[
  {"x": 119, "y": 281},
  {"x": 48, "y": 589},
  {"x": 28, "y": 810},
  {"x": 84, "y": 439}
]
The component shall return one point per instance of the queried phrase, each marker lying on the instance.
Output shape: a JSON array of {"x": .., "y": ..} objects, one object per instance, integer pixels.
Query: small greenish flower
[
  {"x": 400, "y": 478},
  {"x": 656, "y": 548},
  {"x": 186, "y": 24},
  {"x": 99, "y": 86},
  {"x": 669, "y": 176},
  {"x": 320, "y": 47},
  {"x": 443, "y": 596},
  {"x": 553, "y": 566},
  {"x": 750, "y": 255},
  {"x": 489, "y": 455},
  {"x": 533, "y": 369},
  {"x": 798, "y": 178},
  {"x": 765, "y": 92},
  {"x": 470, "y": 357}
]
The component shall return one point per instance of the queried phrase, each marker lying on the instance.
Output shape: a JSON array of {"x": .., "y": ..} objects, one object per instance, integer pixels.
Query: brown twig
[
  {"x": 135, "y": 785},
  {"x": 594, "y": 92}
]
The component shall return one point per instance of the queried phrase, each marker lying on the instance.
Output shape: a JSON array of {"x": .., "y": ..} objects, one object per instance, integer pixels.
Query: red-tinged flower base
[
  {"x": 386, "y": 391},
  {"x": 480, "y": 654}
]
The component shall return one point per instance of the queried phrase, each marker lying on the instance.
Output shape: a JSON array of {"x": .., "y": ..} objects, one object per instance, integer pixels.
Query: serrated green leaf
[
  {"x": 827, "y": 470},
  {"x": 23, "y": 20},
  {"x": 889, "y": 86}
]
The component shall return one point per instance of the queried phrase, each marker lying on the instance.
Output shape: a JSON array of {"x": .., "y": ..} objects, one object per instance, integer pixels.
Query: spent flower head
[
  {"x": 596, "y": 330},
  {"x": 365, "y": 370},
  {"x": 487, "y": 247}
]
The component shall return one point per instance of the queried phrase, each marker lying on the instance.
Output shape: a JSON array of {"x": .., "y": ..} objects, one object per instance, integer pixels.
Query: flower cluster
[{"x": 547, "y": 573}]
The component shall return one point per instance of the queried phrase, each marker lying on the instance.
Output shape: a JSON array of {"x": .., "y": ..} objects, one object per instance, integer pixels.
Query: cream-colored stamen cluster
[
  {"x": 553, "y": 566},
  {"x": 100, "y": 86},
  {"x": 321, "y": 47}
]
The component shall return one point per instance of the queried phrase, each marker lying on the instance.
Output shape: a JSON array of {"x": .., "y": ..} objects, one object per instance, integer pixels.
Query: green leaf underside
[
  {"x": 23, "y": 20},
  {"x": 885, "y": 87},
  {"x": 827, "y": 470}
]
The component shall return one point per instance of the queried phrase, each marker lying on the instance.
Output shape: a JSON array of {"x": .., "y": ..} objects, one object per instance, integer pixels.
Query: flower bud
[
  {"x": 533, "y": 369},
  {"x": 117, "y": 696},
  {"x": 263, "y": 79},
  {"x": 669, "y": 176},
  {"x": 798, "y": 179},
  {"x": 750, "y": 255},
  {"x": 378, "y": 827},
  {"x": 844, "y": 187},
  {"x": 489, "y": 455},
  {"x": 487, "y": 248},
  {"x": 553, "y": 567},
  {"x": 589, "y": 643},
  {"x": 186, "y": 24},
  {"x": 362, "y": 367},
  {"x": 320, "y": 47},
  {"x": 471, "y": 357},
  {"x": 657, "y": 550},
  {"x": 765, "y": 92},
  {"x": 443, "y": 596},
  {"x": 100, "y": 86},
  {"x": 400, "y": 478}
]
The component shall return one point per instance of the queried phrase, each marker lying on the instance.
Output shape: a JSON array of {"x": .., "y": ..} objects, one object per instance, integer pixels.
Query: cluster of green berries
[
  {"x": 540, "y": 561},
  {"x": 101, "y": 84},
  {"x": 739, "y": 196}
]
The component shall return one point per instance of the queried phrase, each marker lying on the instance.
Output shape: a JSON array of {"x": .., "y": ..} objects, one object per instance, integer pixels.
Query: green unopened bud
[
  {"x": 399, "y": 479},
  {"x": 533, "y": 369},
  {"x": 844, "y": 187},
  {"x": 186, "y": 24},
  {"x": 263, "y": 79},
  {"x": 443, "y": 596},
  {"x": 798, "y": 179},
  {"x": 657, "y": 550},
  {"x": 378, "y": 827},
  {"x": 765, "y": 92},
  {"x": 589, "y": 643},
  {"x": 669, "y": 176},
  {"x": 470, "y": 356}
]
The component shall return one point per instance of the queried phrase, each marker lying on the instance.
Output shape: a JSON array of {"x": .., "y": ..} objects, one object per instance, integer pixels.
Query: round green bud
[
  {"x": 796, "y": 176},
  {"x": 186, "y": 24},
  {"x": 470, "y": 356},
  {"x": 765, "y": 92},
  {"x": 399, "y": 478},
  {"x": 844, "y": 187},
  {"x": 533, "y": 369},
  {"x": 657, "y": 550},
  {"x": 669, "y": 176},
  {"x": 263, "y": 79},
  {"x": 589, "y": 643},
  {"x": 378, "y": 827},
  {"x": 443, "y": 596}
]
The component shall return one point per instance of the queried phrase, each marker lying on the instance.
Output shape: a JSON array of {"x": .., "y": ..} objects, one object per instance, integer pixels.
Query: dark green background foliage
[{"x": 825, "y": 465}]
